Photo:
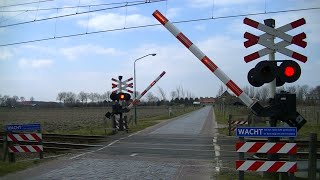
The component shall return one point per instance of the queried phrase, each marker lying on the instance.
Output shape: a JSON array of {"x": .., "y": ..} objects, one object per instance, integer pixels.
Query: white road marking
[
  {"x": 134, "y": 134},
  {"x": 134, "y": 154},
  {"x": 79, "y": 155},
  {"x": 217, "y": 150},
  {"x": 110, "y": 144}
]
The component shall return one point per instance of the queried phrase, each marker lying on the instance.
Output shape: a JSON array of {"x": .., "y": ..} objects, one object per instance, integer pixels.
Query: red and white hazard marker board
[
  {"x": 24, "y": 137},
  {"x": 25, "y": 148},
  {"x": 266, "y": 166},
  {"x": 266, "y": 147},
  {"x": 122, "y": 85},
  {"x": 277, "y": 47}
]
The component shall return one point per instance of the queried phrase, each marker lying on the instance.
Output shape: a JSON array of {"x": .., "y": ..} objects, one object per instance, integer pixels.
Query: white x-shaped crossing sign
[
  {"x": 277, "y": 47},
  {"x": 122, "y": 86}
]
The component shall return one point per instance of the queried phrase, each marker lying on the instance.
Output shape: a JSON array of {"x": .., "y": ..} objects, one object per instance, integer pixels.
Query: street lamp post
[{"x": 135, "y": 83}]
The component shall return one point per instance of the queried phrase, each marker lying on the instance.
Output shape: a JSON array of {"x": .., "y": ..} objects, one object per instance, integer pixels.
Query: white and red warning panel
[
  {"x": 120, "y": 86},
  {"x": 24, "y": 137},
  {"x": 275, "y": 47},
  {"x": 266, "y": 166},
  {"x": 266, "y": 147}
]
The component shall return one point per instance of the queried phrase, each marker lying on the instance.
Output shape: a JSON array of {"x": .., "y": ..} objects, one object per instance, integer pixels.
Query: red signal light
[{"x": 289, "y": 71}]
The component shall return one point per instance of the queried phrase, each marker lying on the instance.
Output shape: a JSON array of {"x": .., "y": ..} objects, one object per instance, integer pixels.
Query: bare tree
[
  {"x": 137, "y": 92},
  {"x": 221, "y": 90},
  {"x": 22, "y": 99},
  {"x": 189, "y": 95},
  {"x": 70, "y": 98},
  {"x": 108, "y": 93},
  {"x": 257, "y": 95},
  {"x": 162, "y": 94},
  {"x": 5, "y": 100},
  {"x": 291, "y": 89},
  {"x": 32, "y": 99},
  {"x": 178, "y": 91},
  {"x": 264, "y": 93},
  {"x": 246, "y": 90},
  {"x": 182, "y": 92},
  {"x": 151, "y": 98},
  {"x": 97, "y": 97},
  {"x": 251, "y": 91},
  {"x": 61, "y": 96},
  {"x": 91, "y": 97},
  {"x": 173, "y": 95},
  {"x": 83, "y": 96}
]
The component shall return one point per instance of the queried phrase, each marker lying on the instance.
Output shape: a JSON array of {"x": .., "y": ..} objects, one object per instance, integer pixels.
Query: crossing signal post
[{"x": 120, "y": 100}]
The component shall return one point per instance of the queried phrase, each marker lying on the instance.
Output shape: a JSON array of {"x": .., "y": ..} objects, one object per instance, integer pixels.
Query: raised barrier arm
[
  {"x": 253, "y": 105},
  {"x": 137, "y": 100}
]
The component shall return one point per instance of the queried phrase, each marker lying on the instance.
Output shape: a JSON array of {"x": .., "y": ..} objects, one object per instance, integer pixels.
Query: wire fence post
[
  {"x": 312, "y": 165},
  {"x": 229, "y": 121},
  {"x": 241, "y": 157}
]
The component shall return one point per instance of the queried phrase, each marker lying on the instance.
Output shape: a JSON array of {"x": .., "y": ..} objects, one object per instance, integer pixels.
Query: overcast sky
[{"x": 87, "y": 63}]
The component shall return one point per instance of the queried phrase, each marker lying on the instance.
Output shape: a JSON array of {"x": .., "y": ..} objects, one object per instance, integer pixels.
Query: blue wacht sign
[
  {"x": 266, "y": 132},
  {"x": 23, "y": 127}
]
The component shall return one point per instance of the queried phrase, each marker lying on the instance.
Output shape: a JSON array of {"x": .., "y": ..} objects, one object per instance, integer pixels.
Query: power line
[
  {"x": 70, "y": 7},
  {"x": 150, "y": 25},
  {"x": 34, "y": 2},
  {"x": 85, "y": 12}
]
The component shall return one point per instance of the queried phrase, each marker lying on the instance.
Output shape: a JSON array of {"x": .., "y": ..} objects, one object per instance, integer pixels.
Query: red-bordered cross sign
[
  {"x": 275, "y": 47},
  {"x": 122, "y": 86}
]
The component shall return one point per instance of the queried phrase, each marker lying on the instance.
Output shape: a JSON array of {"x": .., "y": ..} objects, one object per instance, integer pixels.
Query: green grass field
[{"x": 86, "y": 121}]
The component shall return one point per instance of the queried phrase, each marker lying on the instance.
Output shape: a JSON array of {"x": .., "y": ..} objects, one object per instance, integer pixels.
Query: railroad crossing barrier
[
  {"x": 233, "y": 124},
  {"x": 22, "y": 138},
  {"x": 242, "y": 147}
]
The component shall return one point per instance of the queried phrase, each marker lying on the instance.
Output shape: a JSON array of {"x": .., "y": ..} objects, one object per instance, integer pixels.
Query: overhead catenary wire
[
  {"x": 72, "y": 7},
  {"x": 79, "y": 13},
  {"x": 21, "y": 4},
  {"x": 151, "y": 25}
]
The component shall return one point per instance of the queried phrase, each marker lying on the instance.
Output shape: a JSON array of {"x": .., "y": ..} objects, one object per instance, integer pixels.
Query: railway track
[{"x": 67, "y": 142}]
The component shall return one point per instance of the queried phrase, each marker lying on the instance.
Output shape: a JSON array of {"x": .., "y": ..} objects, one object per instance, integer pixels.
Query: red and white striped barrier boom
[
  {"x": 137, "y": 100},
  {"x": 266, "y": 147},
  {"x": 266, "y": 166},
  {"x": 204, "y": 59},
  {"x": 24, "y": 137},
  {"x": 25, "y": 148}
]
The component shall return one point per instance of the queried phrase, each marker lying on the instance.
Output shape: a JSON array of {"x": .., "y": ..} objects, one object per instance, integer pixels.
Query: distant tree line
[
  {"x": 177, "y": 96},
  {"x": 12, "y": 101},
  {"x": 262, "y": 93},
  {"x": 83, "y": 98}
]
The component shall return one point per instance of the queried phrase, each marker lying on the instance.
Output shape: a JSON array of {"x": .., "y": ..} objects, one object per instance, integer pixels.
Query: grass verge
[{"x": 6, "y": 167}]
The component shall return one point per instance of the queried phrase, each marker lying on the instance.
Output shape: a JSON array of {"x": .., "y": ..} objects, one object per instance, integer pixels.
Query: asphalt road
[{"x": 187, "y": 147}]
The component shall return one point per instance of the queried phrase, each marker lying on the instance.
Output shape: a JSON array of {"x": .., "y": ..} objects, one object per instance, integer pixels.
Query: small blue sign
[
  {"x": 266, "y": 132},
  {"x": 23, "y": 127}
]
